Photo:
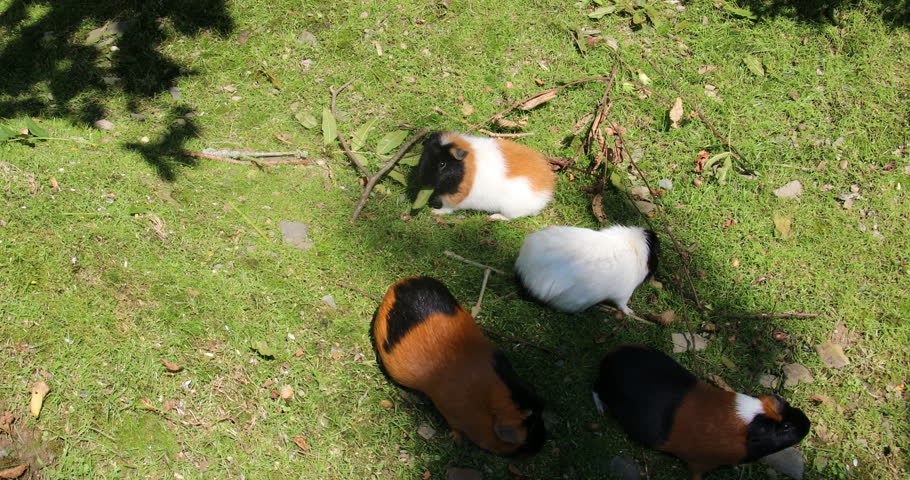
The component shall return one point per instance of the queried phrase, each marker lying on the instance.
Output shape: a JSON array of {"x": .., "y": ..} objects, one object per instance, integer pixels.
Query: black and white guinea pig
[
  {"x": 571, "y": 268},
  {"x": 426, "y": 341},
  {"x": 489, "y": 174},
  {"x": 663, "y": 406}
]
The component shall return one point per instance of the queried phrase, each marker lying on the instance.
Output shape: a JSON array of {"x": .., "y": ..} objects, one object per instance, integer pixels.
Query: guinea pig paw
[
  {"x": 441, "y": 211},
  {"x": 456, "y": 436},
  {"x": 498, "y": 216}
]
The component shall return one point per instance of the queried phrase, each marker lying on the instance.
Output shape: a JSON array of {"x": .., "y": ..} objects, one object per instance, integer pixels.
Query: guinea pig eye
[
  {"x": 787, "y": 426},
  {"x": 442, "y": 165}
]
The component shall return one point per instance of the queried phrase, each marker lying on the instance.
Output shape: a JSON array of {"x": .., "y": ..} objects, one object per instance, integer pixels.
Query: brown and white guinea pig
[
  {"x": 663, "y": 406},
  {"x": 481, "y": 173},
  {"x": 571, "y": 268},
  {"x": 426, "y": 341}
]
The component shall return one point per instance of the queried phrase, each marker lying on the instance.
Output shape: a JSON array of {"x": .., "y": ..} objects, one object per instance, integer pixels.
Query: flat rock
[
  {"x": 103, "y": 124},
  {"x": 791, "y": 190},
  {"x": 456, "y": 473},
  {"x": 666, "y": 184},
  {"x": 788, "y": 461},
  {"x": 426, "y": 431},
  {"x": 308, "y": 39},
  {"x": 832, "y": 355},
  {"x": 769, "y": 381},
  {"x": 794, "y": 374},
  {"x": 622, "y": 468},
  {"x": 688, "y": 341},
  {"x": 641, "y": 191},
  {"x": 295, "y": 233},
  {"x": 330, "y": 301},
  {"x": 644, "y": 207}
]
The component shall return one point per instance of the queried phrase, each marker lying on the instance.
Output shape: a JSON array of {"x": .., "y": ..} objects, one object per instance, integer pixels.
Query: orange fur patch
[
  {"x": 450, "y": 360},
  {"x": 470, "y": 168},
  {"x": 772, "y": 408},
  {"x": 707, "y": 433},
  {"x": 521, "y": 161}
]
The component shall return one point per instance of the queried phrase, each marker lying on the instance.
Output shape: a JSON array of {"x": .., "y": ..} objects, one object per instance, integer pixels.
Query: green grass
[{"x": 92, "y": 298}]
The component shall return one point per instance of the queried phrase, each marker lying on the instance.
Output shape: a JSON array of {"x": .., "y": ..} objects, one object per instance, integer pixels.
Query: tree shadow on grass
[
  {"x": 895, "y": 13},
  {"x": 51, "y": 67}
]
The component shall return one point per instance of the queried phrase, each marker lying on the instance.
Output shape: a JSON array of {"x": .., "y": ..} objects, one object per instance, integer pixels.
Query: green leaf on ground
[
  {"x": 34, "y": 129},
  {"x": 754, "y": 65},
  {"x": 422, "y": 198},
  {"x": 329, "y": 127},
  {"x": 308, "y": 121},
  {"x": 360, "y": 135},
  {"x": 263, "y": 348},
  {"x": 390, "y": 141}
]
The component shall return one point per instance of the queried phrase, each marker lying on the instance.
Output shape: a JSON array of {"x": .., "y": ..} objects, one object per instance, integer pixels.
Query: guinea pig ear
[
  {"x": 509, "y": 433},
  {"x": 459, "y": 154}
]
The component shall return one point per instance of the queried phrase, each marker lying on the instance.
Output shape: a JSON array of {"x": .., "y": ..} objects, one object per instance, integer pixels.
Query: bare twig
[
  {"x": 524, "y": 100},
  {"x": 603, "y": 109},
  {"x": 805, "y": 169},
  {"x": 481, "y": 130},
  {"x": 382, "y": 171},
  {"x": 341, "y": 140},
  {"x": 456, "y": 256},
  {"x": 475, "y": 310},
  {"x": 610, "y": 309},
  {"x": 517, "y": 340},
  {"x": 695, "y": 107},
  {"x": 274, "y": 161},
  {"x": 767, "y": 315},
  {"x": 350, "y": 287}
]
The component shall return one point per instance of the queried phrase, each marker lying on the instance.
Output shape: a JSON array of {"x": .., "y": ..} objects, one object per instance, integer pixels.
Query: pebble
[
  {"x": 683, "y": 342},
  {"x": 832, "y": 355},
  {"x": 794, "y": 374},
  {"x": 104, "y": 124},
  {"x": 295, "y": 233}
]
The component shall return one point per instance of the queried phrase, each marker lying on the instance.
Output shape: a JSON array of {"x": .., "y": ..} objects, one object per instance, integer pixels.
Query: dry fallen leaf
[
  {"x": 502, "y": 122},
  {"x": 55, "y": 187},
  {"x": 39, "y": 391},
  {"x": 676, "y": 113},
  {"x": 6, "y": 419},
  {"x": 385, "y": 403},
  {"x": 538, "y": 99},
  {"x": 467, "y": 109},
  {"x": 597, "y": 205},
  {"x": 13, "y": 472},
  {"x": 720, "y": 383},
  {"x": 700, "y": 161},
  {"x": 287, "y": 393},
  {"x": 300, "y": 440},
  {"x": 171, "y": 367}
]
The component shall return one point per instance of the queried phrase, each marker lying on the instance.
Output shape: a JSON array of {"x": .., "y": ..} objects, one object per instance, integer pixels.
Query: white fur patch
[
  {"x": 574, "y": 268},
  {"x": 748, "y": 407},
  {"x": 598, "y": 402},
  {"x": 492, "y": 191}
]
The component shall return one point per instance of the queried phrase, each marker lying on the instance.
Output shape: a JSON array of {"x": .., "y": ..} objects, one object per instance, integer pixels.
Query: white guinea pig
[
  {"x": 571, "y": 268},
  {"x": 490, "y": 174}
]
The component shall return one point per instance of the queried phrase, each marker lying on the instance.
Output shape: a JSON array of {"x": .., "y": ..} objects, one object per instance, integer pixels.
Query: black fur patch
[
  {"x": 767, "y": 435},
  {"x": 415, "y": 300},
  {"x": 653, "y": 251},
  {"x": 438, "y": 168},
  {"x": 642, "y": 388},
  {"x": 525, "y": 398}
]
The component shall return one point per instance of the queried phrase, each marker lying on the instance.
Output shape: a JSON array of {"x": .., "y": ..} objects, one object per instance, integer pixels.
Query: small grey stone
[
  {"x": 175, "y": 92},
  {"x": 644, "y": 207},
  {"x": 666, "y": 184},
  {"x": 769, "y": 381},
  {"x": 456, "y": 473},
  {"x": 688, "y": 341},
  {"x": 641, "y": 191},
  {"x": 104, "y": 124},
  {"x": 295, "y": 233},
  {"x": 788, "y": 461},
  {"x": 622, "y": 468},
  {"x": 110, "y": 79},
  {"x": 794, "y": 374},
  {"x": 137, "y": 116},
  {"x": 426, "y": 431},
  {"x": 790, "y": 190},
  {"x": 330, "y": 301},
  {"x": 832, "y": 355},
  {"x": 308, "y": 39}
]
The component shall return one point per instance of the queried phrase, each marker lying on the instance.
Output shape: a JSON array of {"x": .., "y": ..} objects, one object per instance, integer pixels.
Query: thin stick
[
  {"x": 697, "y": 110},
  {"x": 351, "y": 287},
  {"x": 456, "y": 256},
  {"x": 522, "y": 101},
  {"x": 805, "y": 169},
  {"x": 475, "y": 310},
  {"x": 767, "y": 315},
  {"x": 609, "y": 309},
  {"x": 481, "y": 130},
  {"x": 517, "y": 340},
  {"x": 276, "y": 161},
  {"x": 341, "y": 140},
  {"x": 382, "y": 171},
  {"x": 604, "y": 108},
  {"x": 249, "y": 221}
]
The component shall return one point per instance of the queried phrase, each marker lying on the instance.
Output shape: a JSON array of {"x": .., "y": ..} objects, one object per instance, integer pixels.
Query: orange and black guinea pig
[
  {"x": 663, "y": 406},
  {"x": 426, "y": 341}
]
